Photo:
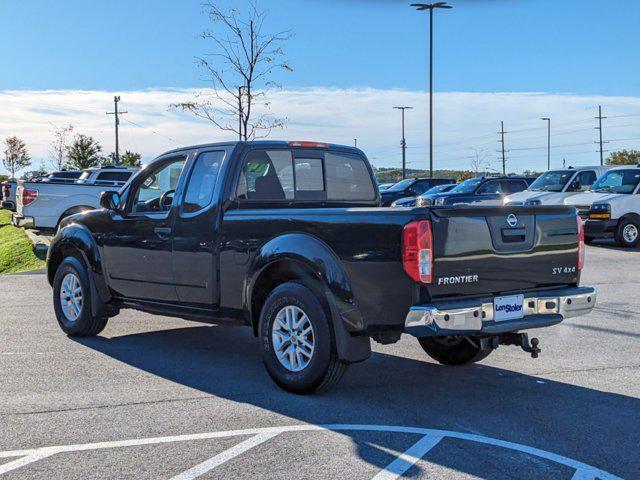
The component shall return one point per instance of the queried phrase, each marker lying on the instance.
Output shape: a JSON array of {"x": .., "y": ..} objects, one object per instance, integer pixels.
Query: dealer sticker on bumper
[{"x": 508, "y": 308}]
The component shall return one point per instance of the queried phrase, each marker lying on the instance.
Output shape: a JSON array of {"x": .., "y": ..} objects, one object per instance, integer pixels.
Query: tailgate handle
[{"x": 514, "y": 234}]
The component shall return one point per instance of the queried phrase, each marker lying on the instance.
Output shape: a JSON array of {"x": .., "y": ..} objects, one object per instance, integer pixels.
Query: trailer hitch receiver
[{"x": 521, "y": 340}]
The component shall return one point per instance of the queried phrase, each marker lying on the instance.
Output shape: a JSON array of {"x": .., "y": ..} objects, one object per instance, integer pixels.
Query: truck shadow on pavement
[{"x": 580, "y": 423}]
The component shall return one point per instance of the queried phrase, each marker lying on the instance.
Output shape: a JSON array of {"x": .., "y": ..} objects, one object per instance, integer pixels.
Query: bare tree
[
  {"x": 16, "y": 156},
  {"x": 240, "y": 72},
  {"x": 59, "y": 148},
  {"x": 479, "y": 160}
]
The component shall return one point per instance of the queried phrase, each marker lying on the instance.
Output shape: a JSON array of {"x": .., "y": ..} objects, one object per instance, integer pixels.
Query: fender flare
[
  {"x": 317, "y": 258},
  {"x": 78, "y": 238}
]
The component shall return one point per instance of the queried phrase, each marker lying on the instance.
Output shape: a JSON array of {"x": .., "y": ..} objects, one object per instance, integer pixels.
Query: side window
[
  {"x": 586, "y": 179},
  {"x": 113, "y": 177},
  {"x": 347, "y": 178},
  {"x": 157, "y": 187},
  {"x": 420, "y": 187},
  {"x": 490, "y": 188},
  {"x": 202, "y": 181},
  {"x": 266, "y": 175},
  {"x": 513, "y": 186},
  {"x": 309, "y": 179}
]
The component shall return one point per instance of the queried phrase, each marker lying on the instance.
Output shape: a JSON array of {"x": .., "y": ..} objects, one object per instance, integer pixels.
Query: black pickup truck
[{"x": 289, "y": 239}]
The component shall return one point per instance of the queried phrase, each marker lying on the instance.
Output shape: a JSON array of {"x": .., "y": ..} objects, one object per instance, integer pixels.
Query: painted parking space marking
[
  {"x": 223, "y": 457},
  {"x": 409, "y": 458},
  {"x": 430, "y": 438}
]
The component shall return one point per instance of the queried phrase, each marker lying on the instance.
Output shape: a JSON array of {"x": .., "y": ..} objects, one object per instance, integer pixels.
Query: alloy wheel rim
[
  {"x": 630, "y": 233},
  {"x": 71, "y": 297},
  {"x": 293, "y": 338}
]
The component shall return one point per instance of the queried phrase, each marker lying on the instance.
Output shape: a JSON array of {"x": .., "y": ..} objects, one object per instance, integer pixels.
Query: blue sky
[
  {"x": 496, "y": 60},
  {"x": 567, "y": 46}
]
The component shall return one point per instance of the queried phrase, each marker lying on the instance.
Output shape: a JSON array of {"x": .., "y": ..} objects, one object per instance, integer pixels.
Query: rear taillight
[
  {"x": 5, "y": 190},
  {"x": 29, "y": 196},
  {"x": 417, "y": 251},
  {"x": 580, "y": 243}
]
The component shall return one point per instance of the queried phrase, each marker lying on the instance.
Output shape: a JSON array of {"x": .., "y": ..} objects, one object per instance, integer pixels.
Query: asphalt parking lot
[{"x": 156, "y": 397}]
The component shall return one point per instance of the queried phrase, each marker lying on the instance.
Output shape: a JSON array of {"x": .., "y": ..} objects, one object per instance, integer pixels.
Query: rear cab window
[{"x": 305, "y": 175}]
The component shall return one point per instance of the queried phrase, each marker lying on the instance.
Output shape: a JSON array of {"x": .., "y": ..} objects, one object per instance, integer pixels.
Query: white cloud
[{"x": 463, "y": 120}]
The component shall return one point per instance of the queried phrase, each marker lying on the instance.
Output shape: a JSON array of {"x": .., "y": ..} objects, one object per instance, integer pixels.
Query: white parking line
[
  {"x": 408, "y": 459},
  {"x": 583, "y": 471},
  {"x": 225, "y": 456}
]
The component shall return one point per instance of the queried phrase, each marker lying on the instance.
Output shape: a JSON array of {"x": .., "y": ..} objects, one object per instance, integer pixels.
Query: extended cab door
[
  {"x": 195, "y": 232},
  {"x": 137, "y": 245}
]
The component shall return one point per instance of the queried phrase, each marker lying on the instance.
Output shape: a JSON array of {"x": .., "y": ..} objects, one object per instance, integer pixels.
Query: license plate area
[{"x": 508, "y": 308}]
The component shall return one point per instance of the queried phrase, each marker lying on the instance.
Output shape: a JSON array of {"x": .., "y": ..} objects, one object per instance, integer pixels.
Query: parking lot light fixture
[{"x": 431, "y": 7}]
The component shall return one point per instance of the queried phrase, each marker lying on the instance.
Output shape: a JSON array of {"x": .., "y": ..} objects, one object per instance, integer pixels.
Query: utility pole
[
  {"x": 431, "y": 7},
  {"x": 504, "y": 160},
  {"x": 117, "y": 114},
  {"x": 599, "y": 127},
  {"x": 403, "y": 142},
  {"x": 548, "y": 120}
]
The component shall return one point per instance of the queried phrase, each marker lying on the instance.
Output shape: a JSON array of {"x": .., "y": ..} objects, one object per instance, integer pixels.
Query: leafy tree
[
  {"x": 84, "y": 153},
  {"x": 127, "y": 159},
  {"x": 624, "y": 157},
  {"x": 59, "y": 148},
  {"x": 239, "y": 69},
  {"x": 16, "y": 156},
  {"x": 131, "y": 159}
]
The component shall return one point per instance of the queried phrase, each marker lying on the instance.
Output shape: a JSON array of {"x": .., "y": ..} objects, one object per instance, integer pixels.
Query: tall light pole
[
  {"x": 548, "y": 120},
  {"x": 403, "y": 143},
  {"x": 431, "y": 7}
]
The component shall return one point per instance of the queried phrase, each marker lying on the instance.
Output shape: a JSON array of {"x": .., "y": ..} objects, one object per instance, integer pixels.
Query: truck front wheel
[
  {"x": 628, "y": 233},
  {"x": 453, "y": 350},
  {"x": 297, "y": 341},
  {"x": 72, "y": 300}
]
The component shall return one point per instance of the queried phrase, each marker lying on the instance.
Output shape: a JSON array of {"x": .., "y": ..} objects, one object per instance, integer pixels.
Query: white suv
[{"x": 555, "y": 186}]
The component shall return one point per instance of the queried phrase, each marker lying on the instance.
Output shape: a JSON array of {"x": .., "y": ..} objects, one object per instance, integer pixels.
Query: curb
[{"x": 40, "y": 242}]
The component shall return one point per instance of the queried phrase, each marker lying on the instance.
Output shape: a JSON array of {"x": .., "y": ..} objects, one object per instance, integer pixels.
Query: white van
[
  {"x": 612, "y": 207},
  {"x": 554, "y": 186}
]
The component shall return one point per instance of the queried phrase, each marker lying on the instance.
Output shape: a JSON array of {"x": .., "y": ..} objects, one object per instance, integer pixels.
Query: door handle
[{"x": 162, "y": 232}]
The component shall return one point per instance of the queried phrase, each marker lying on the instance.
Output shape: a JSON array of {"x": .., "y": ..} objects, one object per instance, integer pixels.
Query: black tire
[
  {"x": 588, "y": 240},
  {"x": 324, "y": 368},
  {"x": 453, "y": 351},
  {"x": 85, "y": 325},
  {"x": 622, "y": 236}
]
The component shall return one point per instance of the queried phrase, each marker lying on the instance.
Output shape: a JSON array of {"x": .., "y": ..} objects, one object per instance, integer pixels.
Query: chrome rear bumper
[{"x": 541, "y": 309}]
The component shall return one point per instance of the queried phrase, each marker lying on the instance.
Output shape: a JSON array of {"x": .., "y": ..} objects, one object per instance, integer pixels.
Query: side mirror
[{"x": 109, "y": 200}]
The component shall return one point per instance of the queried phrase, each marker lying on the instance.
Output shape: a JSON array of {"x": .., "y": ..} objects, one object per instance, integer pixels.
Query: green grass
[{"x": 16, "y": 251}]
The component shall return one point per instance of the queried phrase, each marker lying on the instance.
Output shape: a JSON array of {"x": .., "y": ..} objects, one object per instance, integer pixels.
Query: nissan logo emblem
[{"x": 512, "y": 220}]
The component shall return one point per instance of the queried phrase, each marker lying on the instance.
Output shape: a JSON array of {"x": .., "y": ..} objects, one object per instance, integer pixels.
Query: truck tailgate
[{"x": 481, "y": 250}]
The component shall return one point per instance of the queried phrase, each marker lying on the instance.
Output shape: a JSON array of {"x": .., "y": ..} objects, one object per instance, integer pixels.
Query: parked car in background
[
  {"x": 384, "y": 186},
  {"x": 554, "y": 186},
  {"x": 611, "y": 209},
  {"x": 42, "y": 204},
  {"x": 286, "y": 238},
  {"x": 8, "y": 195},
  {"x": 410, "y": 187},
  {"x": 483, "y": 190},
  {"x": 64, "y": 176},
  {"x": 425, "y": 199}
]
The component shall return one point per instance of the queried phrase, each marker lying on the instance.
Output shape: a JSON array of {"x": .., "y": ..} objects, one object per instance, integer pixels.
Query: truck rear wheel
[
  {"x": 628, "y": 233},
  {"x": 72, "y": 300},
  {"x": 453, "y": 350},
  {"x": 297, "y": 341}
]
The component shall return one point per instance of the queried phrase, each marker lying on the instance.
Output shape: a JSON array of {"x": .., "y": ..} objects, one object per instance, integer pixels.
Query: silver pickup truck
[{"x": 43, "y": 204}]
